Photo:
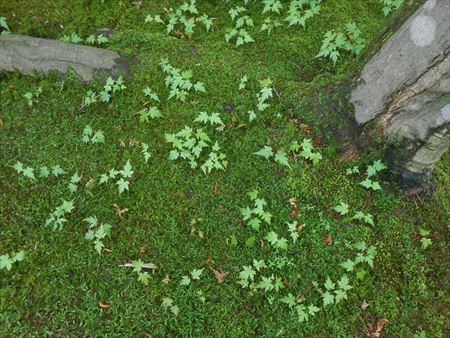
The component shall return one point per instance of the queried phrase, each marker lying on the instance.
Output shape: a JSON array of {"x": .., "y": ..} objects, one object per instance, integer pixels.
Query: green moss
[{"x": 56, "y": 289}]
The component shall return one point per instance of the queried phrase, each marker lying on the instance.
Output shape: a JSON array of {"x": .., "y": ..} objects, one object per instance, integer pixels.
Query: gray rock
[
  {"x": 27, "y": 54},
  {"x": 405, "y": 90},
  {"x": 403, "y": 59}
]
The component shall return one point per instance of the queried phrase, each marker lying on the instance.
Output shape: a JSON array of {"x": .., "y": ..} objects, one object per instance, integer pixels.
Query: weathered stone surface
[
  {"x": 402, "y": 59},
  {"x": 405, "y": 89},
  {"x": 27, "y": 54}
]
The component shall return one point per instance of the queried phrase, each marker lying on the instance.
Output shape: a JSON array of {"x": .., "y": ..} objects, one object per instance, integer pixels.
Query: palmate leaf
[
  {"x": 302, "y": 315},
  {"x": 5, "y": 262},
  {"x": 290, "y": 300},
  {"x": 98, "y": 137},
  {"x": 122, "y": 185},
  {"x": 3, "y": 23},
  {"x": 185, "y": 280},
  {"x": 199, "y": 87},
  {"x": 255, "y": 223},
  {"x": 246, "y": 213},
  {"x": 29, "y": 172},
  {"x": 375, "y": 167},
  {"x": 57, "y": 170},
  {"x": 340, "y": 295},
  {"x": 342, "y": 208},
  {"x": 265, "y": 152},
  {"x": 281, "y": 158},
  {"x": 196, "y": 274},
  {"x": 247, "y": 273},
  {"x": 328, "y": 298},
  {"x": 127, "y": 170},
  {"x": 348, "y": 265},
  {"x": 144, "y": 278},
  {"x": 329, "y": 285},
  {"x": 343, "y": 283},
  {"x": 266, "y": 283},
  {"x": 18, "y": 167},
  {"x": 272, "y": 6},
  {"x": 272, "y": 238}
]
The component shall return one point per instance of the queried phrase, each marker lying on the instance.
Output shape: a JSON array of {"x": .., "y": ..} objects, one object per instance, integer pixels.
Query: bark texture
[
  {"x": 405, "y": 90},
  {"x": 27, "y": 54}
]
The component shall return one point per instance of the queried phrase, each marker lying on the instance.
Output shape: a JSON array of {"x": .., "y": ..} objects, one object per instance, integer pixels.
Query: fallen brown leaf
[
  {"x": 107, "y": 250},
  {"x": 220, "y": 275},
  {"x": 375, "y": 332},
  {"x": 133, "y": 142},
  {"x": 349, "y": 154},
  {"x": 137, "y": 4},
  {"x": 119, "y": 211},
  {"x": 103, "y": 305},
  {"x": 294, "y": 212},
  {"x": 166, "y": 280},
  {"x": 329, "y": 240},
  {"x": 293, "y": 202}
]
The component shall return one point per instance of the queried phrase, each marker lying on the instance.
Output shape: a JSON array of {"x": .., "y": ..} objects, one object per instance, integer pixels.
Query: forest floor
[{"x": 223, "y": 269}]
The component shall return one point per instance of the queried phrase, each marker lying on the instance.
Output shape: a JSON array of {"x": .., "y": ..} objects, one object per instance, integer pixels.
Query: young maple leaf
[
  {"x": 342, "y": 208},
  {"x": 265, "y": 152},
  {"x": 122, "y": 185},
  {"x": 281, "y": 157}
]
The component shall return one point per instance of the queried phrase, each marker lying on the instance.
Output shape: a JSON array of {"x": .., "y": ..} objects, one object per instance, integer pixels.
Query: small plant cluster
[
  {"x": 143, "y": 277},
  {"x": 334, "y": 294},
  {"x": 298, "y": 13},
  {"x": 302, "y": 10},
  {"x": 167, "y": 304},
  {"x": 425, "y": 239},
  {"x": 372, "y": 170},
  {"x": 7, "y": 260},
  {"x": 343, "y": 209},
  {"x": 279, "y": 157},
  {"x": 57, "y": 218},
  {"x": 350, "y": 40},
  {"x": 241, "y": 22},
  {"x": 74, "y": 181},
  {"x": 32, "y": 96},
  {"x": 92, "y": 39},
  {"x": 97, "y": 232},
  {"x": 111, "y": 87},
  {"x": 153, "y": 111},
  {"x": 89, "y": 136},
  {"x": 179, "y": 82},
  {"x": 183, "y": 19},
  {"x": 275, "y": 241},
  {"x": 247, "y": 278},
  {"x": 4, "y": 26},
  {"x": 390, "y": 5},
  {"x": 25, "y": 171},
  {"x": 265, "y": 93},
  {"x": 366, "y": 255},
  {"x": 193, "y": 276},
  {"x": 306, "y": 151},
  {"x": 122, "y": 183},
  {"x": 189, "y": 144},
  {"x": 145, "y": 152},
  {"x": 44, "y": 171},
  {"x": 257, "y": 214}
]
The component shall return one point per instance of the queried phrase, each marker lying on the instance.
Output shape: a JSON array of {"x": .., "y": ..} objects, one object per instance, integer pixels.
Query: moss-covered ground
[{"x": 181, "y": 219}]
